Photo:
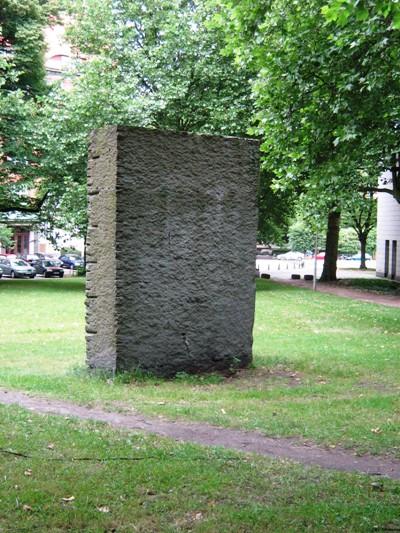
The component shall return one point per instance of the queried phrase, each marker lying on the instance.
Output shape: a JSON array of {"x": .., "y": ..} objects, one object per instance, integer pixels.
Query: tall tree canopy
[
  {"x": 21, "y": 84},
  {"x": 327, "y": 97},
  {"x": 152, "y": 64}
]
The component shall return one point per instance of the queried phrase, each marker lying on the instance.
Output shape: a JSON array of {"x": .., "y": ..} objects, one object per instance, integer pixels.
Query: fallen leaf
[
  {"x": 223, "y": 411},
  {"x": 103, "y": 509},
  {"x": 50, "y": 446},
  {"x": 28, "y": 472},
  {"x": 376, "y": 430},
  {"x": 27, "y": 507},
  {"x": 68, "y": 499},
  {"x": 377, "y": 485},
  {"x": 160, "y": 403}
]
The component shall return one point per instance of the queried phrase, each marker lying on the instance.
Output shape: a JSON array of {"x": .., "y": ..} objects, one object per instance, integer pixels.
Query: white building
[{"x": 388, "y": 234}]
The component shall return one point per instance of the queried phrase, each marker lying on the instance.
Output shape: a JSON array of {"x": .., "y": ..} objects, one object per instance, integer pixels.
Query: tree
[
  {"x": 151, "y": 64},
  {"x": 274, "y": 212},
  {"x": 21, "y": 83},
  {"x": 341, "y": 11},
  {"x": 361, "y": 215},
  {"x": 5, "y": 236},
  {"x": 22, "y": 23},
  {"x": 348, "y": 241},
  {"x": 355, "y": 23},
  {"x": 302, "y": 236},
  {"x": 327, "y": 96}
]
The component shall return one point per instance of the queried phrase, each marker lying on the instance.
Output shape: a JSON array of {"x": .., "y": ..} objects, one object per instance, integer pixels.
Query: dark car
[
  {"x": 33, "y": 257},
  {"x": 16, "y": 268},
  {"x": 1, "y": 273},
  {"x": 71, "y": 261},
  {"x": 48, "y": 268}
]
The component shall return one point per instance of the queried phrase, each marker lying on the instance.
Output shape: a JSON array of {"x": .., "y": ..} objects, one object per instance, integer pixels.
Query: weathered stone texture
[
  {"x": 100, "y": 251},
  {"x": 172, "y": 250}
]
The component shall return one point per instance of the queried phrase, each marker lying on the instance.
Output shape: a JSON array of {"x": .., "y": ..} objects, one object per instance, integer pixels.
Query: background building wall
[{"x": 388, "y": 234}]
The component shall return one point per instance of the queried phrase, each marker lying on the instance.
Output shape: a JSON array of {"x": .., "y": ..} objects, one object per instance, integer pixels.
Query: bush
[{"x": 81, "y": 271}]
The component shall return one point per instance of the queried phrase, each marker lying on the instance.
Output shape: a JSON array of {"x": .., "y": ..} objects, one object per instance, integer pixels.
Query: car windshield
[
  {"x": 50, "y": 263},
  {"x": 20, "y": 262}
]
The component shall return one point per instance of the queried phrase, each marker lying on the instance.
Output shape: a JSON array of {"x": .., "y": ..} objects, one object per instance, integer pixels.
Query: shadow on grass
[
  {"x": 272, "y": 286},
  {"x": 41, "y": 284},
  {"x": 382, "y": 286}
]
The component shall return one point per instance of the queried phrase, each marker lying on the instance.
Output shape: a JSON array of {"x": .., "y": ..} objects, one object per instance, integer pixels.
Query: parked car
[
  {"x": 291, "y": 256},
  {"x": 48, "y": 268},
  {"x": 357, "y": 257},
  {"x": 16, "y": 268},
  {"x": 1, "y": 272},
  {"x": 71, "y": 261},
  {"x": 29, "y": 258}
]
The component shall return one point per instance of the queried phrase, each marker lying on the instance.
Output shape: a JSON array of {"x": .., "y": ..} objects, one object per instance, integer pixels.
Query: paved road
[{"x": 281, "y": 269}]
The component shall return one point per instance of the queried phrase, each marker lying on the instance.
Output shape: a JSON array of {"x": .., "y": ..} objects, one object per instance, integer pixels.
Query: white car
[
  {"x": 291, "y": 256},
  {"x": 16, "y": 268}
]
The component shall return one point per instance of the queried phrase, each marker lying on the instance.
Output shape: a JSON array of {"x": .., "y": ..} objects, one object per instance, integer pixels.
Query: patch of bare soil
[
  {"x": 205, "y": 434},
  {"x": 263, "y": 377}
]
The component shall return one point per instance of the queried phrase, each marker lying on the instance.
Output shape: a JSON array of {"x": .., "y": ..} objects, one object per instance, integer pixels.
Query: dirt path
[
  {"x": 347, "y": 292},
  {"x": 205, "y": 434}
]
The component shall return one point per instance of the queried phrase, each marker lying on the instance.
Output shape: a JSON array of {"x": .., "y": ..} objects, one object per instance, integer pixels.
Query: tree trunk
[
  {"x": 363, "y": 242},
  {"x": 331, "y": 248}
]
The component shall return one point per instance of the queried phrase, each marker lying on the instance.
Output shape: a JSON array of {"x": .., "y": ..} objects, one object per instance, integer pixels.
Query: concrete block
[{"x": 171, "y": 251}]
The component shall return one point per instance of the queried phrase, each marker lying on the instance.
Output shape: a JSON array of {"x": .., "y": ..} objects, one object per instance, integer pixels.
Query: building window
[
  {"x": 387, "y": 251},
  {"x": 394, "y": 259}
]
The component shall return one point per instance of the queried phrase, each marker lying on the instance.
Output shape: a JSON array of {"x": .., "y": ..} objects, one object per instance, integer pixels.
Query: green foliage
[
  {"x": 5, "y": 236},
  {"x": 70, "y": 250},
  {"x": 153, "y": 64},
  {"x": 275, "y": 208},
  {"x": 22, "y": 23},
  {"x": 327, "y": 102},
  {"x": 21, "y": 83},
  {"x": 361, "y": 215},
  {"x": 343, "y": 11},
  {"x": 302, "y": 237},
  {"x": 348, "y": 241},
  {"x": 371, "y": 241},
  {"x": 327, "y": 96}
]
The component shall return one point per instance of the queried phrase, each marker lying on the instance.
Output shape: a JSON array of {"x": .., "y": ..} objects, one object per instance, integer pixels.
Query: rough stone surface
[{"x": 171, "y": 251}]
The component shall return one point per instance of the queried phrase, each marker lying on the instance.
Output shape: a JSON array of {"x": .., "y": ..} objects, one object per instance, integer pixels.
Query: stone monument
[{"x": 170, "y": 251}]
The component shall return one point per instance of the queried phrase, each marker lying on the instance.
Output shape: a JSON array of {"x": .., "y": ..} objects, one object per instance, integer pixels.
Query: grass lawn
[
  {"x": 326, "y": 369},
  {"x": 380, "y": 286},
  {"x": 80, "y": 476}
]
